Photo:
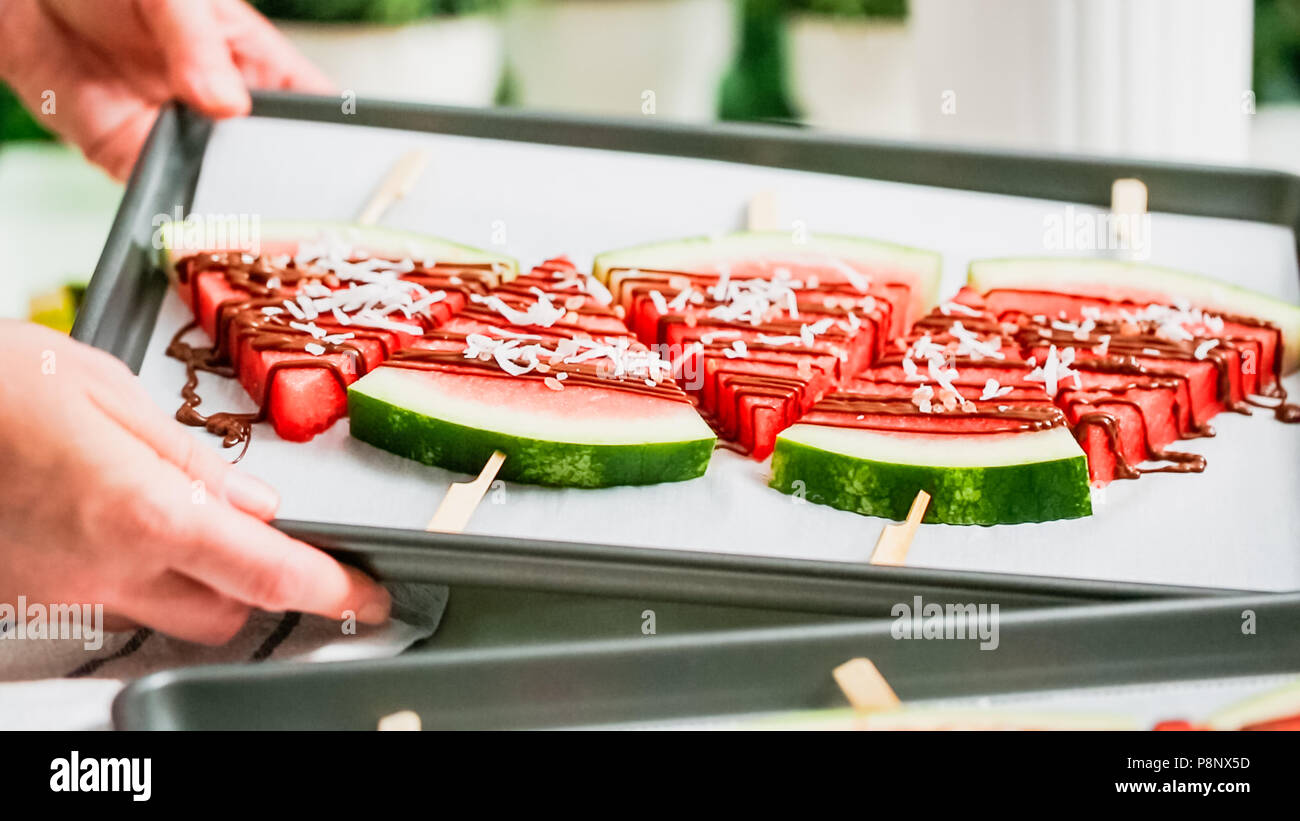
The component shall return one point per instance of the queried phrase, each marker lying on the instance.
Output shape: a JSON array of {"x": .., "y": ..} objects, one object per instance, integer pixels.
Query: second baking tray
[
  {"x": 125, "y": 294},
  {"x": 720, "y": 677}
]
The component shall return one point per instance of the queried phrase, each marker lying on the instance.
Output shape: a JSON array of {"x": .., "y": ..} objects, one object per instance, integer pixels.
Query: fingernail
[
  {"x": 251, "y": 495},
  {"x": 376, "y": 610}
]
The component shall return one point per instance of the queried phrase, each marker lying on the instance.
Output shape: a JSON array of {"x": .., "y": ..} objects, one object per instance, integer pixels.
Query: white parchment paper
[{"x": 1235, "y": 526}]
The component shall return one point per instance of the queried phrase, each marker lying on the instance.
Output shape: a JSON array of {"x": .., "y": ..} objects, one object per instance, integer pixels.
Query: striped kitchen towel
[{"x": 60, "y": 684}]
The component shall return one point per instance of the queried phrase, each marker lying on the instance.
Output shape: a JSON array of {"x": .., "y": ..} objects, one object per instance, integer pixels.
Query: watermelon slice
[
  {"x": 759, "y": 326},
  {"x": 543, "y": 370},
  {"x": 1135, "y": 284},
  {"x": 968, "y": 425},
  {"x": 926, "y": 718},
  {"x": 832, "y": 259},
  {"x": 317, "y": 306},
  {"x": 1275, "y": 710},
  {"x": 1127, "y": 390},
  {"x": 1156, "y": 353},
  {"x": 923, "y": 717}
]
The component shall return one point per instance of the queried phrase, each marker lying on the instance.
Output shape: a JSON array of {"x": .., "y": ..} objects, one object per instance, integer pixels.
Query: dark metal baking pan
[
  {"x": 660, "y": 678},
  {"x": 122, "y": 302}
]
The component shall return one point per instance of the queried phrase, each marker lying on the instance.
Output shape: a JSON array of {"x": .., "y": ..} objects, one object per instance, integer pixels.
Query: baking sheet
[
  {"x": 1232, "y": 527},
  {"x": 1150, "y": 660},
  {"x": 1145, "y": 704}
]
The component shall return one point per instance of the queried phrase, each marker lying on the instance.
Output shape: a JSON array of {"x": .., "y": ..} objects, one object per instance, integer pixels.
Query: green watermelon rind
[
  {"x": 930, "y": 717},
  {"x": 1059, "y": 273},
  {"x": 374, "y": 238},
  {"x": 1273, "y": 705},
  {"x": 927, "y": 265},
  {"x": 1035, "y": 491},
  {"x": 458, "y": 447}
]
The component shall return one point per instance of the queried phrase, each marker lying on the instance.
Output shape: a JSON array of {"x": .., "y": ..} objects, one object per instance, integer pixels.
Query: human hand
[
  {"x": 111, "y": 64},
  {"x": 106, "y": 500}
]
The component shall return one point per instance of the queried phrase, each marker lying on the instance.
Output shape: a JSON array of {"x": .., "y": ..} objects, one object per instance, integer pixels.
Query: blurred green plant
[
  {"x": 15, "y": 122},
  {"x": 889, "y": 9},
  {"x": 385, "y": 12},
  {"x": 754, "y": 88},
  {"x": 1277, "y": 51}
]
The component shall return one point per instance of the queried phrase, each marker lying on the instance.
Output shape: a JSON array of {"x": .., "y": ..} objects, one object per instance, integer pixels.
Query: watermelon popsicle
[
  {"x": 763, "y": 324},
  {"x": 543, "y": 370},
  {"x": 1124, "y": 370},
  {"x": 955, "y": 411},
  {"x": 1160, "y": 352},
  {"x": 315, "y": 307}
]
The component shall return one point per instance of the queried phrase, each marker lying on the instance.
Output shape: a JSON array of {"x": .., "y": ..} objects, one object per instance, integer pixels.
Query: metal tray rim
[
  {"x": 135, "y": 707},
  {"x": 168, "y": 169}
]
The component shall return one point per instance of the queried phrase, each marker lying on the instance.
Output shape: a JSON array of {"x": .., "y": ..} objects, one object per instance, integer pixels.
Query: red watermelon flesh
[
  {"x": 754, "y": 407},
  {"x": 1145, "y": 419},
  {"x": 1020, "y": 396},
  {"x": 746, "y": 396},
  {"x": 647, "y": 315},
  {"x": 1129, "y": 440},
  {"x": 1260, "y": 369},
  {"x": 971, "y": 355},
  {"x": 551, "y": 303},
  {"x": 699, "y": 368},
  {"x": 305, "y": 395},
  {"x": 1291, "y": 723},
  {"x": 571, "y": 305},
  {"x": 1176, "y": 725},
  {"x": 761, "y": 388},
  {"x": 853, "y": 347},
  {"x": 1125, "y": 419},
  {"x": 1162, "y": 399},
  {"x": 631, "y": 286},
  {"x": 1201, "y": 380},
  {"x": 795, "y": 341}
]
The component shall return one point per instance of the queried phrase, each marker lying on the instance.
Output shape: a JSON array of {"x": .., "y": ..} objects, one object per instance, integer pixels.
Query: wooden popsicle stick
[
  {"x": 762, "y": 213},
  {"x": 397, "y": 184},
  {"x": 864, "y": 686},
  {"x": 895, "y": 540},
  {"x": 1128, "y": 196},
  {"x": 408, "y": 720},
  {"x": 463, "y": 497},
  {"x": 1128, "y": 199}
]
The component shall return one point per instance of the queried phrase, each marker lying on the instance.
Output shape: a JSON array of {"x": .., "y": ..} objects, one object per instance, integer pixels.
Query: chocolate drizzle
[
  {"x": 233, "y": 428},
  {"x": 1283, "y": 412},
  {"x": 1130, "y": 347},
  {"x": 575, "y": 374},
  {"x": 793, "y": 375},
  {"x": 1021, "y": 418},
  {"x": 241, "y": 325}
]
